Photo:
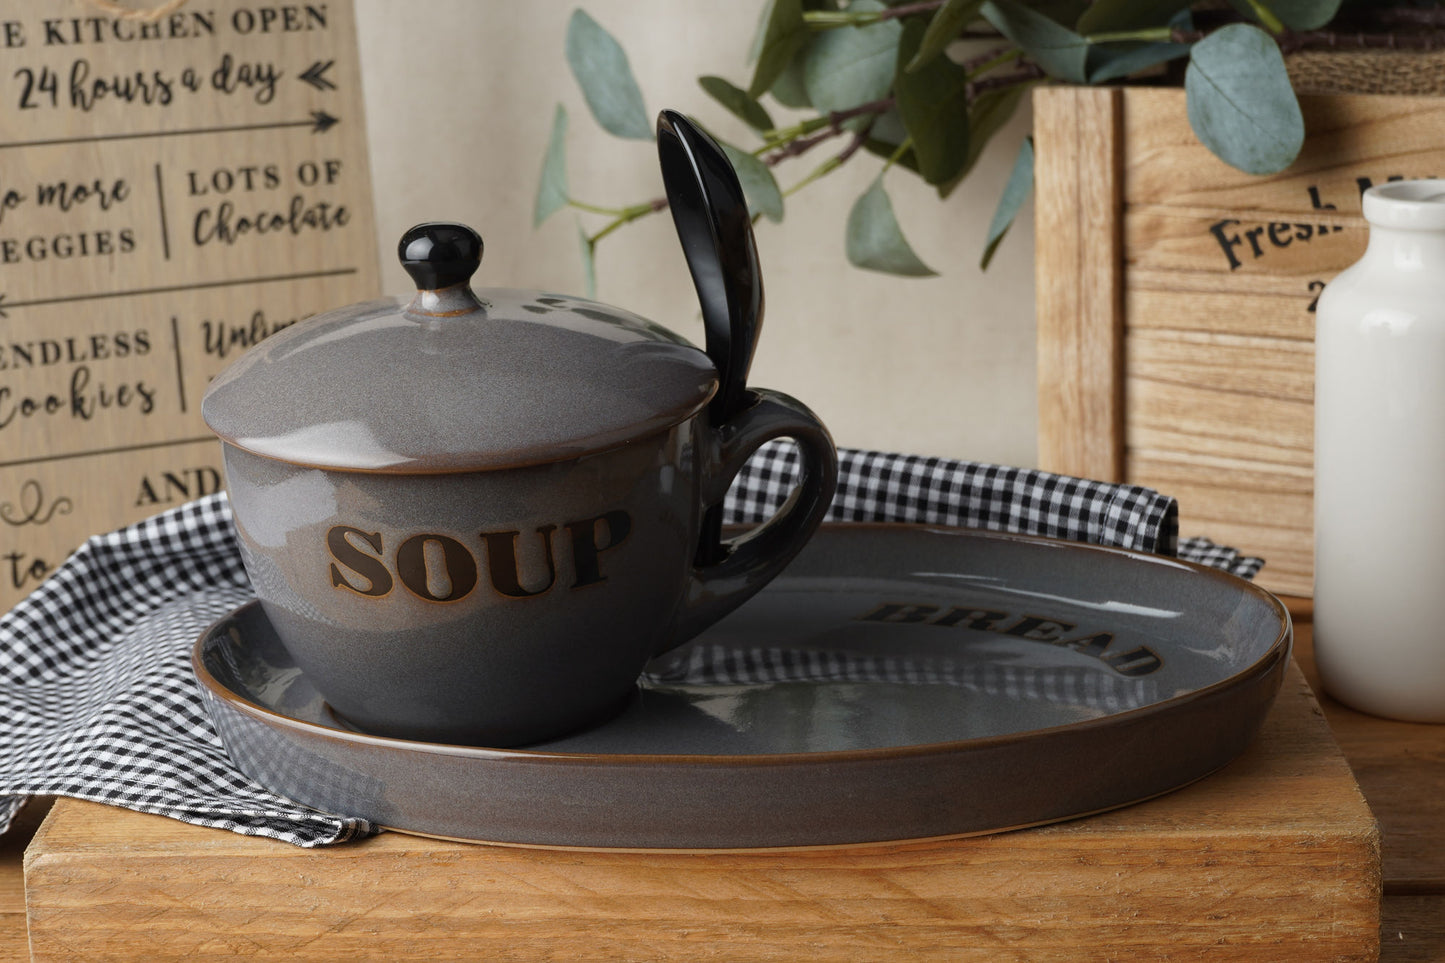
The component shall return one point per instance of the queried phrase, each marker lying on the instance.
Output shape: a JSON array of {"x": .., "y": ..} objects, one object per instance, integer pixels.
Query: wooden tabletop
[
  {"x": 1399, "y": 766},
  {"x": 13, "y": 943}
]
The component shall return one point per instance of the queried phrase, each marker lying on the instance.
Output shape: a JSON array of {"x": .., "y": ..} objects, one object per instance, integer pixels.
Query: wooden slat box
[
  {"x": 1276, "y": 857},
  {"x": 1176, "y": 297}
]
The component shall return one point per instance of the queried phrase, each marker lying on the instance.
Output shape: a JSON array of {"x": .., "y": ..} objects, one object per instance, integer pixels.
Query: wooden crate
[
  {"x": 1176, "y": 299},
  {"x": 1276, "y": 857}
]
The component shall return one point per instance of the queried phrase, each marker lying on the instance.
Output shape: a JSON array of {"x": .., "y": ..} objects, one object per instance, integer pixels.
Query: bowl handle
[{"x": 753, "y": 559}]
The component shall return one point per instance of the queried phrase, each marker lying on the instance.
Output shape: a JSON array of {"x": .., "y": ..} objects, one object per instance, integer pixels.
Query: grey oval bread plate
[{"x": 896, "y": 682}]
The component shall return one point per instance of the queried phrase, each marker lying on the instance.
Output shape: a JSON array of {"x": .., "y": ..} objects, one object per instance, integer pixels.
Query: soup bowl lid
[{"x": 454, "y": 379}]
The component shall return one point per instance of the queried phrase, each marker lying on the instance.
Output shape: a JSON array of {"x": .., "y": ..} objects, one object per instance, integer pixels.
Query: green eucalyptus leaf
[
  {"x": 1106, "y": 63},
  {"x": 789, "y": 89},
  {"x": 1058, "y": 50},
  {"x": 600, "y": 65},
  {"x": 1240, "y": 102},
  {"x": 947, "y": 22},
  {"x": 1305, "y": 14},
  {"x": 990, "y": 111},
  {"x": 884, "y": 137},
  {"x": 849, "y": 66},
  {"x": 1295, "y": 14},
  {"x": 888, "y": 127},
  {"x": 933, "y": 104},
  {"x": 552, "y": 191},
  {"x": 1105, "y": 16},
  {"x": 1066, "y": 12},
  {"x": 783, "y": 37},
  {"x": 760, "y": 33},
  {"x": 874, "y": 239},
  {"x": 759, "y": 186},
  {"x": 1016, "y": 191},
  {"x": 589, "y": 261},
  {"x": 737, "y": 101}
]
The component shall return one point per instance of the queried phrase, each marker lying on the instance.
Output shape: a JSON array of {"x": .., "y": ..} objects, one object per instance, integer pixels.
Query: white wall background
[{"x": 460, "y": 96}]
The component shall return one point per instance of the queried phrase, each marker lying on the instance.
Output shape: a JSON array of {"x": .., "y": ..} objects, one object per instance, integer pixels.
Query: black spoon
[{"x": 716, "y": 231}]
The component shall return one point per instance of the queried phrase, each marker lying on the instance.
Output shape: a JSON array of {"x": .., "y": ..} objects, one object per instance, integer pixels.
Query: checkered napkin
[{"x": 97, "y": 698}]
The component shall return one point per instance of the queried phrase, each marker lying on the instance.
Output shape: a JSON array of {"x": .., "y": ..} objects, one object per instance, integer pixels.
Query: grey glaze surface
[
  {"x": 521, "y": 378},
  {"x": 896, "y": 682},
  {"x": 502, "y": 607}
]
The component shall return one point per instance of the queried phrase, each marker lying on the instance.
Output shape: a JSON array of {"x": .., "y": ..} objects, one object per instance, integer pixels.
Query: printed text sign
[{"x": 170, "y": 193}]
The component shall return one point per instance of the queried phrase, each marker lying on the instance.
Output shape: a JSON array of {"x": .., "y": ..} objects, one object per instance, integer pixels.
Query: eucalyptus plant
[{"x": 886, "y": 79}]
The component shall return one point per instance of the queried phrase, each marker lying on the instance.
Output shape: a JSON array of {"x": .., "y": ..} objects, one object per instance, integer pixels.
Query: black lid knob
[{"x": 440, "y": 255}]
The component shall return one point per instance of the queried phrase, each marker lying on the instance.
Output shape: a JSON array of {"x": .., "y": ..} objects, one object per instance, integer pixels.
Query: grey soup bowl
[{"x": 472, "y": 517}]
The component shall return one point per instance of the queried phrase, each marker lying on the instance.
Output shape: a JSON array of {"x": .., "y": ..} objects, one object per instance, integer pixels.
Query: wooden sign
[
  {"x": 172, "y": 191},
  {"x": 1176, "y": 300}
]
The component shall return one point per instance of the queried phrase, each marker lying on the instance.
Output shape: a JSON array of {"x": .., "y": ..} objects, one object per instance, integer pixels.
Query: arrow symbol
[
  {"x": 314, "y": 75},
  {"x": 322, "y": 121},
  {"x": 2, "y": 308}
]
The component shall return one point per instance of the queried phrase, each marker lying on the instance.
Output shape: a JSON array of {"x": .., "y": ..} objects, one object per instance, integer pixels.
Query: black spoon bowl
[{"x": 716, "y": 231}]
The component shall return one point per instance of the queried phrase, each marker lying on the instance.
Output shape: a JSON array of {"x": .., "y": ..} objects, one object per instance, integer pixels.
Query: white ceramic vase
[{"x": 1380, "y": 462}]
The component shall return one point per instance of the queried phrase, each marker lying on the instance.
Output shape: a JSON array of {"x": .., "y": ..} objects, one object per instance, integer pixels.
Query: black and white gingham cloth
[{"x": 97, "y": 698}]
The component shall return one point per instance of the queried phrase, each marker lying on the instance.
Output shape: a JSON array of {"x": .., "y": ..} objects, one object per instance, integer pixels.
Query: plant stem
[
  {"x": 627, "y": 215},
  {"x": 897, "y": 155},
  {"x": 796, "y": 148},
  {"x": 596, "y": 209},
  {"x": 994, "y": 58},
  {"x": 1026, "y": 74},
  {"x": 833, "y": 19},
  {"x": 827, "y": 167},
  {"x": 789, "y": 142},
  {"x": 1266, "y": 17},
  {"x": 783, "y": 136},
  {"x": 859, "y": 139},
  {"x": 1150, "y": 35},
  {"x": 833, "y": 163},
  {"x": 833, "y": 120}
]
